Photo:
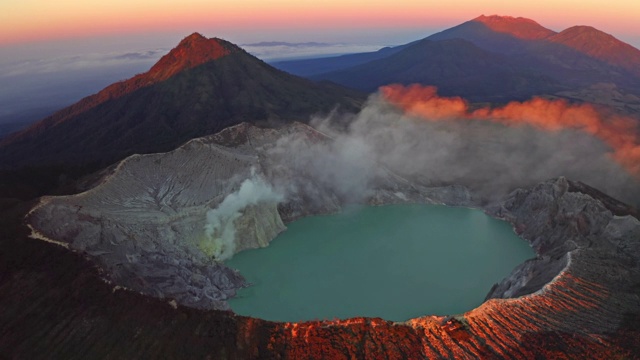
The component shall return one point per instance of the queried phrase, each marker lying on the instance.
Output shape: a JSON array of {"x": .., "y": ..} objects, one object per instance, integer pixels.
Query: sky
[{"x": 295, "y": 20}]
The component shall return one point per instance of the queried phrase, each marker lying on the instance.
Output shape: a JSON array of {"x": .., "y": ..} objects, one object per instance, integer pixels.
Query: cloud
[
  {"x": 41, "y": 86},
  {"x": 91, "y": 61},
  {"x": 343, "y": 166},
  {"x": 441, "y": 141},
  {"x": 621, "y": 133}
]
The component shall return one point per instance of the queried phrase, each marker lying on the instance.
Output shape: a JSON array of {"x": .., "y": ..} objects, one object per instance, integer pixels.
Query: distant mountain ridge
[
  {"x": 532, "y": 59},
  {"x": 456, "y": 66},
  {"x": 527, "y": 35},
  {"x": 503, "y": 34}
]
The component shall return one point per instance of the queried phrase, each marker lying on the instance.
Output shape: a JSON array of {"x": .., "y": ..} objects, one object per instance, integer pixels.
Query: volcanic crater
[{"x": 581, "y": 287}]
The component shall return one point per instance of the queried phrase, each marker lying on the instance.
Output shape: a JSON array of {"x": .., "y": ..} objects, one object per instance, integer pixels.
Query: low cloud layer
[
  {"x": 40, "y": 86},
  {"x": 93, "y": 61}
]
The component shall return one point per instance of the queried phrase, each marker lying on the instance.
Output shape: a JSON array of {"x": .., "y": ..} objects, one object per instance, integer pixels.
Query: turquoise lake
[{"x": 395, "y": 262}]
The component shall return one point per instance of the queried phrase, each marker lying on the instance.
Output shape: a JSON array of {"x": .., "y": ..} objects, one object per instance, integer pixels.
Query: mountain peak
[
  {"x": 196, "y": 36},
  {"x": 192, "y": 51},
  {"x": 601, "y": 46},
  {"x": 519, "y": 27},
  {"x": 586, "y": 31}
]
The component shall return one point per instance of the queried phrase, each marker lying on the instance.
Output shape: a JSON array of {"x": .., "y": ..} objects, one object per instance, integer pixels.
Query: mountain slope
[
  {"x": 310, "y": 67},
  {"x": 199, "y": 88},
  {"x": 456, "y": 66},
  {"x": 192, "y": 51},
  {"x": 601, "y": 46},
  {"x": 578, "y": 47},
  {"x": 501, "y": 58},
  {"x": 504, "y": 34}
]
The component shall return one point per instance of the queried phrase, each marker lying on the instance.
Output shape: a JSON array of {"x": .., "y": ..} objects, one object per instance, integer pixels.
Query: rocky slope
[{"x": 577, "y": 299}]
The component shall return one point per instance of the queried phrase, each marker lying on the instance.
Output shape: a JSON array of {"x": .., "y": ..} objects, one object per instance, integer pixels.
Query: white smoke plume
[
  {"x": 220, "y": 230},
  {"x": 490, "y": 158},
  {"x": 344, "y": 165}
]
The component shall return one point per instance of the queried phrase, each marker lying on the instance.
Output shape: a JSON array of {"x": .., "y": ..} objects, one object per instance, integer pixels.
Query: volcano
[
  {"x": 492, "y": 59},
  {"x": 198, "y": 88}
]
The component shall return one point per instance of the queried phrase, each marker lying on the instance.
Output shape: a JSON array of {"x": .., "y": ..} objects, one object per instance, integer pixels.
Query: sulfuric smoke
[
  {"x": 435, "y": 141},
  {"x": 220, "y": 230}
]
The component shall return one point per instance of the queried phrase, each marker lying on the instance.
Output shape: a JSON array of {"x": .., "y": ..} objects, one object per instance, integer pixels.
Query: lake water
[{"x": 395, "y": 262}]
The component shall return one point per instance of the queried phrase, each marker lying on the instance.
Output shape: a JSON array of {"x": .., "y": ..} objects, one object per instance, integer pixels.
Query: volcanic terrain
[{"x": 153, "y": 182}]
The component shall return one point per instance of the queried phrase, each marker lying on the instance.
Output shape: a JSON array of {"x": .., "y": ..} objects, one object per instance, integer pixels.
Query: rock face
[
  {"x": 564, "y": 224},
  {"x": 578, "y": 298}
]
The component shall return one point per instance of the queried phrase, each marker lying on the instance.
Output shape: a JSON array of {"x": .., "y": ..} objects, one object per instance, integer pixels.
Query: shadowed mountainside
[
  {"x": 503, "y": 34},
  {"x": 575, "y": 48},
  {"x": 600, "y": 45},
  {"x": 201, "y": 87},
  {"x": 310, "y": 67},
  {"x": 456, "y": 66},
  {"x": 494, "y": 58}
]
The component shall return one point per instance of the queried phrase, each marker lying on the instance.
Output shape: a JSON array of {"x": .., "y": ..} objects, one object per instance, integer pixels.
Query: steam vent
[{"x": 579, "y": 296}]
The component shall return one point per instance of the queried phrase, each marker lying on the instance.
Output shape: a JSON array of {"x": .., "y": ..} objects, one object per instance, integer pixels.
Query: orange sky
[{"x": 36, "y": 20}]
